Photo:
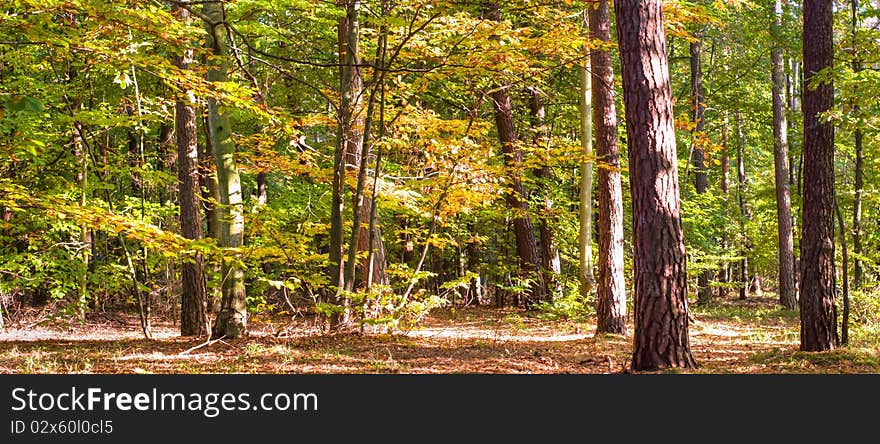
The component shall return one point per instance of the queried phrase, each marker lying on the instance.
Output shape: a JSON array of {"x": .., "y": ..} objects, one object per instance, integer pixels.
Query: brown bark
[
  {"x": 353, "y": 114},
  {"x": 787, "y": 290},
  {"x": 859, "y": 166},
  {"x": 517, "y": 199},
  {"x": 818, "y": 311},
  {"x": 698, "y": 112},
  {"x": 194, "y": 292},
  {"x": 611, "y": 289},
  {"x": 550, "y": 262},
  {"x": 659, "y": 261}
]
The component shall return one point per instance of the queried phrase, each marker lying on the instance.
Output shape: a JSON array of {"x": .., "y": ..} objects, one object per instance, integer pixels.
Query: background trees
[{"x": 434, "y": 150}]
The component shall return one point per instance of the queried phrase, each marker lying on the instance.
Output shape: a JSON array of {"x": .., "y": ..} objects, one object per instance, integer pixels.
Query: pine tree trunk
[
  {"x": 787, "y": 290},
  {"x": 231, "y": 322},
  {"x": 818, "y": 311},
  {"x": 659, "y": 261},
  {"x": 194, "y": 293},
  {"x": 517, "y": 198},
  {"x": 611, "y": 288}
]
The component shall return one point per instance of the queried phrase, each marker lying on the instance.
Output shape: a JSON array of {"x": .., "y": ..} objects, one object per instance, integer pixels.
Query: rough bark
[
  {"x": 611, "y": 288},
  {"x": 818, "y": 311},
  {"x": 659, "y": 261},
  {"x": 787, "y": 290},
  {"x": 517, "y": 198},
  {"x": 231, "y": 321},
  {"x": 194, "y": 293}
]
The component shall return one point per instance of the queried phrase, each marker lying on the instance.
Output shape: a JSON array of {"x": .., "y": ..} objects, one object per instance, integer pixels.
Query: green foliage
[{"x": 571, "y": 306}]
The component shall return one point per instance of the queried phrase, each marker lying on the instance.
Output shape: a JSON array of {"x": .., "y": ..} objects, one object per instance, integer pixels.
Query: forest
[{"x": 439, "y": 186}]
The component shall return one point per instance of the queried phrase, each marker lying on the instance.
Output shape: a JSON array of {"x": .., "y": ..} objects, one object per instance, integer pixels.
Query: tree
[
  {"x": 787, "y": 289},
  {"x": 698, "y": 115},
  {"x": 550, "y": 261},
  {"x": 517, "y": 198},
  {"x": 817, "y": 305},
  {"x": 611, "y": 289},
  {"x": 231, "y": 321},
  {"x": 659, "y": 261},
  {"x": 744, "y": 214},
  {"x": 585, "y": 203},
  {"x": 859, "y": 167},
  {"x": 194, "y": 293}
]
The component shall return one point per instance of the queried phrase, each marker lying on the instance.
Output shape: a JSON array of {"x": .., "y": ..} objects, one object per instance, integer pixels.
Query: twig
[{"x": 207, "y": 343}]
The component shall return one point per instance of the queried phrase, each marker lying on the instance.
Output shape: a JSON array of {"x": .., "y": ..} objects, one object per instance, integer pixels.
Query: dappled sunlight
[{"x": 471, "y": 340}]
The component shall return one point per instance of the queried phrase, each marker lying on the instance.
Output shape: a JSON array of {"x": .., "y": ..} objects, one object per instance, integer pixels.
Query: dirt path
[{"x": 753, "y": 337}]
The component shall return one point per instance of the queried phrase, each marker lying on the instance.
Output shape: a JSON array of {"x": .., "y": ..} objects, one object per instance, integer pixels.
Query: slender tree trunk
[
  {"x": 794, "y": 184},
  {"x": 818, "y": 311},
  {"x": 231, "y": 322},
  {"x": 585, "y": 207},
  {"x": 859, "y": 168},
  {"x": 744, "y": 215},
  {"x": 85, "y": 234},
  {"x": 611, "y": 289},
  {"x": 353, "y": 157},
  {"x": 787, "y": 290},
  {"x": 550, "y": 262},
  {"x": 698, "y": 114},
  {"x": 841, "y": 231},
  {"x": 517, "y": 198},
  {"x": 659, "y": 260},
  {"x": 262, "y": 188},
  {"x": 724, "y": 273},
  {"x": 194, "y": 293}
]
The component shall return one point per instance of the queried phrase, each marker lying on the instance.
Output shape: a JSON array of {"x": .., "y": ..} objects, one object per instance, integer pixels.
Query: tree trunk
[
  {"x": 194, "y": 293},
  {"x": 517, "y": 199},
  {"x": 724, "y": 273},
  {"x": 550, "y": 262},
  {"x": 841, "y": 231},
  {"x": 698, "y": 113},
  {"x": 859, "y": 167},
  {"x": 659, "y": 261},
  {"x": 794, "y": 184},
  {"x": 585, "y": 207},
  {"x": 262, "y": 188},
  {"x": 231, "y": 322},
  {"x": 787, "y": 290},
  {"x": 818, "y": 311},
  {"x": 744, "y": 215},
  {"x": 611, "y": 289},
  {"x": 353, "y": 156}
]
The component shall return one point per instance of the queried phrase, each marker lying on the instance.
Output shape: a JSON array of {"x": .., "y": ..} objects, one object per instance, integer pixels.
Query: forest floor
[{"x": 729, "y": 337}]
